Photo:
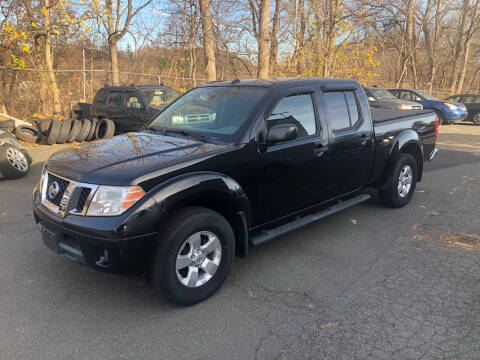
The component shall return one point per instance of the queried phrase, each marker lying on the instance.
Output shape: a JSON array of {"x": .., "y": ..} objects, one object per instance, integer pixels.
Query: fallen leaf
[
  {"x": 250, "y": 294},
  {"x": 310, "y": 306},
  {"x": 433, "y": 213},
  {"x": 414, "y": 227},
  {"x": 328, "y": 325}
]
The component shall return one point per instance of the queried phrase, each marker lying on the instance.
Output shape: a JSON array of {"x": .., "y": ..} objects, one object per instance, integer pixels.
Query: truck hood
[{"x": 124, "y": 159}]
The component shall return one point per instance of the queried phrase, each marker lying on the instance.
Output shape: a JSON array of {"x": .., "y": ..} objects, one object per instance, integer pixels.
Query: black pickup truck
[{"x": 226, "y": 166}]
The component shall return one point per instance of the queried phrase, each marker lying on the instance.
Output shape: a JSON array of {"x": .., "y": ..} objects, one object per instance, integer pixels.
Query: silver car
[{"x": 382, "y": 98}]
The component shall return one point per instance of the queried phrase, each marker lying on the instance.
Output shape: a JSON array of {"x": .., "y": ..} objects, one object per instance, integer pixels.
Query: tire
[
  {"x": 82, "y": 135},
  {"x": 53, "y": 131},
  {"x": 91, "y": 134},
  {"x": 105, "y": 129},
  {"x": 64, "y": 131},
  {"x": 44, "y": 125},
  {"x": 174, "y": 239},
  {"x": 441, "y": 121},
  {"x": 476, "y": 119},
  {"x": 394, "y": 195},
  {"x": 14, "y": 163},
  {"x": 74, "y": 130},
  {"x": 26, "y": 133}
]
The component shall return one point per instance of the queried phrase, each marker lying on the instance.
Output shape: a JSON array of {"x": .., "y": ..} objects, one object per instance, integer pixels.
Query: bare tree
[
  {"x": 117, "y": 24},
  {"x": 263, "y": 39},
  {"x": 208, "y": 48}
]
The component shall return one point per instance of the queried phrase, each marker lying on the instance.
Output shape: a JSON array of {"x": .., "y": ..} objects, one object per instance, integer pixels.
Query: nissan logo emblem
[{"x": 53, "y": 190}]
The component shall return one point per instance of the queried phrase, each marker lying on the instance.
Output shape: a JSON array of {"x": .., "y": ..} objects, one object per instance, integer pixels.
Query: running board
[{"x": 268, "y": 235}]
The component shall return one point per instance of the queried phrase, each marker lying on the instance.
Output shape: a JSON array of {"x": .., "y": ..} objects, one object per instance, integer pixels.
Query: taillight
[{"x": 436, "y": 127}]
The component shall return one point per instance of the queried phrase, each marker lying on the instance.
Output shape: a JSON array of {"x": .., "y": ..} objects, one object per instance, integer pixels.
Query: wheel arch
[
  {"x": 211, "y": 190},
  {"x": 407, "y": 142}
]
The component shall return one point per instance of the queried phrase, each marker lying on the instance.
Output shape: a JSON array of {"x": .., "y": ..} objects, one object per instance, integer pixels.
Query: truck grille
[
  {"x": 62, "y": 196},
  {"x": 62, "y": 184}
]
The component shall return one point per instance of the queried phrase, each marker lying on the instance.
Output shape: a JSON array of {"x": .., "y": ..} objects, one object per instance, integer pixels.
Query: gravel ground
[{"x": 368, "y": 283}]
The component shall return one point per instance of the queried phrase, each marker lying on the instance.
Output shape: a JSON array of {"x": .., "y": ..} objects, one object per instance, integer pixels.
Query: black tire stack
[{"x": 52, "y": 131}]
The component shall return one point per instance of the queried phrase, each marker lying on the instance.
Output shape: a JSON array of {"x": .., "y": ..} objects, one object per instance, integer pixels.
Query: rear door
[
  {"x": 114, "y": 109},
  {"x": 351, "y": 145}
]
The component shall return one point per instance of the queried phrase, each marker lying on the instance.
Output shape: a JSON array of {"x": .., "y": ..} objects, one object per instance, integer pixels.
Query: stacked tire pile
[{"x": 52, "y": 131}]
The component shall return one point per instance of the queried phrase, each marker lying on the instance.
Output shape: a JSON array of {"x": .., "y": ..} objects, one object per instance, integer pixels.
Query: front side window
[
  {"x": 159, "y": 97},
  {"x": 100, "y": 97},
  {"x": 131, "y": 100},
  {"x": 295, "y": 110},
  {"x": 218, "y": 112},
  {"x": 425, "y": 95},
  {"x": 468, "y": 99},
  {"x": 406, "y": 95},
  {"x": 115, "y": 98},
  {"x": 342, "y": 109}
]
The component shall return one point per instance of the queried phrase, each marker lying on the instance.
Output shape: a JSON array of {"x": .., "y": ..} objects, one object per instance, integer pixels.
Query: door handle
[
  {"x": 320, "y": 149},
  {"x": 364, "y": 138}
]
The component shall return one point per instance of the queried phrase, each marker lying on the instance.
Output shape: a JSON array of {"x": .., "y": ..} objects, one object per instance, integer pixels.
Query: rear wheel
[
  {"x": 402, "y": 182},
  {"x": 193, "y": 256}
]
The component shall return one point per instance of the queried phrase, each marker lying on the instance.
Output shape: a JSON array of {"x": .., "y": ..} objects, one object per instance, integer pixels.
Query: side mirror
[
  {"x": 281, "y": 132},
  {"x": 418, "y": 98},
  {"x": 371, "y": 99}
]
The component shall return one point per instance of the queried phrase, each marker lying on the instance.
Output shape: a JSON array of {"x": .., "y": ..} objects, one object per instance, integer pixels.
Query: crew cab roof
[{"x": 279, "y": 81}]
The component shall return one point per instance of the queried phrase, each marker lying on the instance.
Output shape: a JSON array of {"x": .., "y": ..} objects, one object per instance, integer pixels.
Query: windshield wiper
[{"x": 193, "y": 135}]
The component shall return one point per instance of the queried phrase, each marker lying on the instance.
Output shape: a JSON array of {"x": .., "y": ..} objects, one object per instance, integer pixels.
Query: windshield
[
  {"x": 381, "y": 94},
  {"x": 160, "y": 97},
  {"x": 426, "y": 95},
  {"x": 217, "y": 112}
]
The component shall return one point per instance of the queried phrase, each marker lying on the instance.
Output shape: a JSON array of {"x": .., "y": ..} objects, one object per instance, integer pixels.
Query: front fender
[{"x": 189, "y": 186}]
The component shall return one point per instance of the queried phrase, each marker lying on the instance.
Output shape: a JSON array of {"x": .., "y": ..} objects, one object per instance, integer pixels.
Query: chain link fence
[{"x": 26, "y": 91}]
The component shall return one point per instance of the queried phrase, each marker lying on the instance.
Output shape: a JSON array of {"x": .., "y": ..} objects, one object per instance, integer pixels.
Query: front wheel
[
  {"x": 193, "y": 255},
  {"x": 476, "y": 119},
  {"x": 402, "y": 182}
]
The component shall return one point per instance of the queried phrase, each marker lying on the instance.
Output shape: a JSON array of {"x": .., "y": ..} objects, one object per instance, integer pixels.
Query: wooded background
[{"x": 424, "y": 44}]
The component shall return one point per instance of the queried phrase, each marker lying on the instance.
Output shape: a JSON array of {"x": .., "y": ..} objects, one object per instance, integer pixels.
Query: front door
[
  {"x": 133, "y": 116},
  {"x": 292, "y": 175}
]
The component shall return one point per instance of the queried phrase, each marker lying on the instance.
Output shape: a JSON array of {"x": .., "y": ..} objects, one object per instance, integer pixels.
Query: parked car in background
[
  {"x": 131, "y": 107},
  {"x": 227, "y": 165},
  {"x": 382, "y": 98},
  {"x": 15, "y": 160},
  {"x": 447, "y": 111},
  {"x": 472, "y": 102}
]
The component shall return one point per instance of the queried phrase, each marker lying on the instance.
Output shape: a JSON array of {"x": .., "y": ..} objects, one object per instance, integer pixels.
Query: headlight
[
  {"x": 405, "y": 107},
  {"x": 450, "y": 106},
  {"x": 114, "y": 200}
]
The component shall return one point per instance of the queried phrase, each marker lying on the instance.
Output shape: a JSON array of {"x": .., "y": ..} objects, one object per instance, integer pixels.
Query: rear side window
[
  {"x": 467, "y": 99},
  {"x": 100, "y": 97},
  {"x": 115, "y": 98},
  {"x": 342, "y": 109},
  {"x": 297, "y": 110}
]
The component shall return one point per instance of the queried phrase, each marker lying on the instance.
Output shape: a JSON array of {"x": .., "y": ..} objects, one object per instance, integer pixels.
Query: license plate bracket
[{"x": 51, "y": 238}]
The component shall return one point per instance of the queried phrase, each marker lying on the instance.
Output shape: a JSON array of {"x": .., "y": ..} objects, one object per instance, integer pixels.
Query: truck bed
[{"x": 381, "y": 115}]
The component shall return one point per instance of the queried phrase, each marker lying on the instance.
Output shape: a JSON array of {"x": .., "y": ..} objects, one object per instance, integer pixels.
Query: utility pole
[{"x": 84, "y": 76}]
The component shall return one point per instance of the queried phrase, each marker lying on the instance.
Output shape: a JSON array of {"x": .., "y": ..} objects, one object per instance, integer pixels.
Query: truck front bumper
[{"x": 95, "y": 247}]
